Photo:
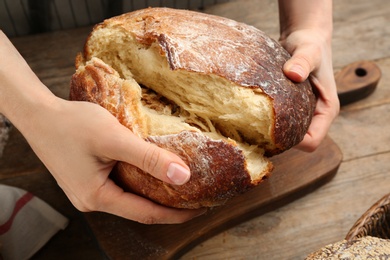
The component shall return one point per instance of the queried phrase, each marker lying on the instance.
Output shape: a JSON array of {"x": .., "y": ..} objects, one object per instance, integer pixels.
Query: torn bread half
[{"x": 207, "y": 88}]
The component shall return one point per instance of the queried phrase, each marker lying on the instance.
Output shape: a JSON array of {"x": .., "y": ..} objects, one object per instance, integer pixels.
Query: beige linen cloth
[{"x": 26, "y": 223}]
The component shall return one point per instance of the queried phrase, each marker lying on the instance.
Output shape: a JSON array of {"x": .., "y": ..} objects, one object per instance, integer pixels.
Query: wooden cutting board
[{"x": 296, "y": 174}]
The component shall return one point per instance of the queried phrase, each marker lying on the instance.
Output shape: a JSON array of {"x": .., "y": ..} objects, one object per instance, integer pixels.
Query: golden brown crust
[{"x": 241, "y": 53}]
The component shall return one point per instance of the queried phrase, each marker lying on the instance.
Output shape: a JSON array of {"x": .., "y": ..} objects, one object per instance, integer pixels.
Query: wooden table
[{"x": 361, "y": 32}]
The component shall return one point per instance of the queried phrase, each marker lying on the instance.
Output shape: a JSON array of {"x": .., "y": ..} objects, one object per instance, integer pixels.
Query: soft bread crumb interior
[{"x": 202, "y": 102}]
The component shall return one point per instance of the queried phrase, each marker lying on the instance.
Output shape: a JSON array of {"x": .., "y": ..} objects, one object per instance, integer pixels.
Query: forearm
[
  {"x": 306, "y": 14},
  {"x": 22, "y": 94}
]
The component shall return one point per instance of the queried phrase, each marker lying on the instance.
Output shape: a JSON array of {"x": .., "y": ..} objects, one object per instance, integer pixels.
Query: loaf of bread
[{"x": 207, "y": 88}]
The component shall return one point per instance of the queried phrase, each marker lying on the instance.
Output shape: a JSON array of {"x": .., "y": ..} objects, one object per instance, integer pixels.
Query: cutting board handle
[{"x": 357, "y": 81}]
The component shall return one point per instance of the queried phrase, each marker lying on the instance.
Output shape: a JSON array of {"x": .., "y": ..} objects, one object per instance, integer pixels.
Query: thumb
[
  {"x": 300, "y": 65},
  {"x": 154, "y": 160},
  {"x": 162, "y": 164},
  {"x": 297, "y": 68}
]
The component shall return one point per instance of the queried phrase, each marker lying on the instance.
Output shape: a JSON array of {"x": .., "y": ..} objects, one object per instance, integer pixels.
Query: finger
[
  {"x": 158, "y": 162},
  {"x": 304, "y": 60},
  {"x": 326, "y": 111},
  {"x": 316, "y": 133},
  {"x": 113, "y": 200}
]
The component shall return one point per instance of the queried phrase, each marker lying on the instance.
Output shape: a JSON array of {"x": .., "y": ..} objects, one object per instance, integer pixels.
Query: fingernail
[
  {"x": 178, "y": 174},
  {"x": 298, "y": 70}
]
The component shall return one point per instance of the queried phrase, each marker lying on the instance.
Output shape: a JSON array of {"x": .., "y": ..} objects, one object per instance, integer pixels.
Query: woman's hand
[
  {"x": 80, "y": 142},
  {"x": 306, "y": 32}
]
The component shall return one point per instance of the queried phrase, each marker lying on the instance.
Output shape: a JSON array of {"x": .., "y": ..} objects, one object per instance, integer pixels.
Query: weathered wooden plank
[
  {"x": 361, "y": 133},
  {"x": 360, "y": 31}
]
